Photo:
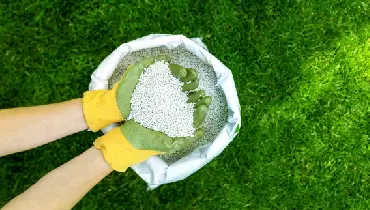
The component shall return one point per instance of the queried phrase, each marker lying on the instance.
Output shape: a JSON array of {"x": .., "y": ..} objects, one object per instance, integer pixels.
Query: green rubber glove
[{"x": 103, "y": 107}]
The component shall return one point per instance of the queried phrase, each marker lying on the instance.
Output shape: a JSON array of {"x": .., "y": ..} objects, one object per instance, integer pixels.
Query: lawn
[{"x": 302, "y": 70}]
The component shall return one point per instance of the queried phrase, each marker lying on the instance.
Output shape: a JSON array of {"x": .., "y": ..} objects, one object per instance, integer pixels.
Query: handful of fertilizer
[
  {"x": 160, "y": 99},
  {"x": 167, "y": 99}
]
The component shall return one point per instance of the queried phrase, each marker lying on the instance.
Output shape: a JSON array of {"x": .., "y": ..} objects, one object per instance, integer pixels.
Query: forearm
[
  {"x": 63, "y": 187},
  {"x": 28, "y": 127}
]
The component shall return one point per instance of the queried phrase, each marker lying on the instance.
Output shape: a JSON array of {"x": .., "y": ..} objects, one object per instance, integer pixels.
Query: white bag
[{"x": 154, "y": 170}]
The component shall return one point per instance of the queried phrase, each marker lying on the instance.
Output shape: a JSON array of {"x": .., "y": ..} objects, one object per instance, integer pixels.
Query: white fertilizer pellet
[
  {"x": 159, "y": 103},
  {"x": 217, "y": 114}
]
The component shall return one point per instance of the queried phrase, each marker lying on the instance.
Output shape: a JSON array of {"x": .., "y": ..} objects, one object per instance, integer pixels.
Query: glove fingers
[
  {"x": 177, "y": 70},
  {"x": 195, "y": 96},
  {"x": 191, "y": 86},
  {"x": 207, "y": 100},
  {"x": 191, "y": 75},
  {"x": 199, "y": 115}
]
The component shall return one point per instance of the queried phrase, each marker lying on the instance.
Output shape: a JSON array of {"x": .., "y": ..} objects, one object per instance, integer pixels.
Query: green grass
[{"x": 302, "y": 70}]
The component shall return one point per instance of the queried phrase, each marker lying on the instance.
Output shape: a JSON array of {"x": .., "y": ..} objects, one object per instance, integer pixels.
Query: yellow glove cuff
[
  {"x": 100, "y": 108},
  {"x": 118, "y": 152}
]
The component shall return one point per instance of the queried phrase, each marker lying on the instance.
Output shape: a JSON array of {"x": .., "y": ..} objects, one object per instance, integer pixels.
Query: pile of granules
[{"x": 159, "y": 103}]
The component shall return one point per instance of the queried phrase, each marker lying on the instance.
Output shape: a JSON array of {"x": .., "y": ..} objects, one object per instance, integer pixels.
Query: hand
[
  {"x": 131, "y": 144},
  {"x": 104, "y": 107}
]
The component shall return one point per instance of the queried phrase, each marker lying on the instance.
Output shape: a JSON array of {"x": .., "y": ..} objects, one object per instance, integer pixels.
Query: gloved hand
[
  {"x": 104, "y": 107},
  {"x": 132, "y": 143}
]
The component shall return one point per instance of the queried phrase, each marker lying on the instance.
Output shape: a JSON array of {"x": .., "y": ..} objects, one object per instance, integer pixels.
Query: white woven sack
[{"x": 154, "y": 170}]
